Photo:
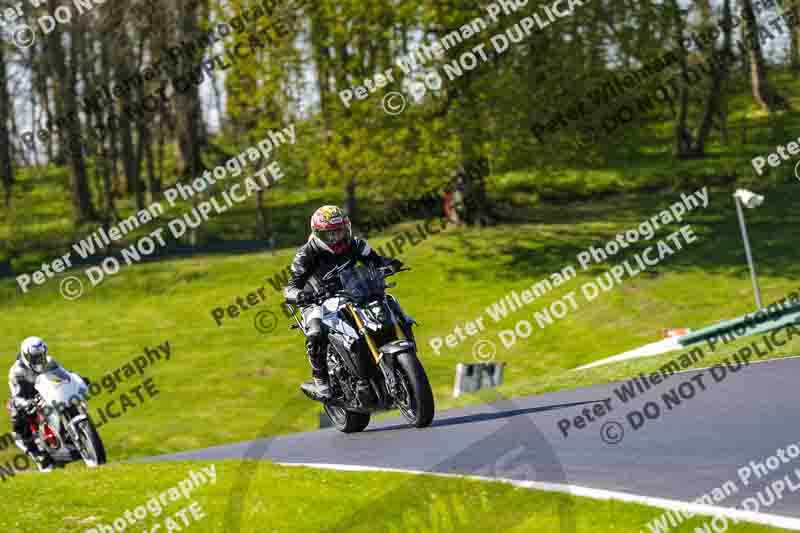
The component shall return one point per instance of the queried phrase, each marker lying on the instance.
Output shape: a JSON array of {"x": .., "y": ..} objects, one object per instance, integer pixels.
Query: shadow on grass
[{"x": 567, "y": 231}]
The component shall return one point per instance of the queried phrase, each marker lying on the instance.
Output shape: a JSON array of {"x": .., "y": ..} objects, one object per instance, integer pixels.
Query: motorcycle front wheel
[
  {"x": 91, "y": 447},
  {"x": 415, "y": 397}
]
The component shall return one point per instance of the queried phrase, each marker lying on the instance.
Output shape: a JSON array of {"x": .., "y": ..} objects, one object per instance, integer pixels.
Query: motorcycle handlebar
[
  {"x": 391, "y": 271},
  {"x": 325, "y": 294}
]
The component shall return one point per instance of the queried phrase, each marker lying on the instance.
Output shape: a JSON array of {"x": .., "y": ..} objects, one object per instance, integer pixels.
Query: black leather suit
[{"x": 310, "y": 264}]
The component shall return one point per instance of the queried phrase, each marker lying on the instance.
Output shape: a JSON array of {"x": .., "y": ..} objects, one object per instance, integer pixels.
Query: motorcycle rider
[
  {"x": 330, "y": 244},
  {"x": 32, "y": 360}
]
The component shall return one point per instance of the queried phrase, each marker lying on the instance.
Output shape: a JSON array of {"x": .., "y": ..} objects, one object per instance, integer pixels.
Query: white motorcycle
[{"x": 61, "y": 425}]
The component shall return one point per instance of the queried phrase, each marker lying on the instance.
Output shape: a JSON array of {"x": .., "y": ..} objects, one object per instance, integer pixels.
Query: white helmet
[{"x": 33, "y": 352}]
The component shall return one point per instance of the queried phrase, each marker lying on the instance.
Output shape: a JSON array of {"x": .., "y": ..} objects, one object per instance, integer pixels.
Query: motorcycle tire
[
  {"x": 419, "y": 408},
  {"x": 91, "y": 443},
  {"x": 347, "y": 421}
]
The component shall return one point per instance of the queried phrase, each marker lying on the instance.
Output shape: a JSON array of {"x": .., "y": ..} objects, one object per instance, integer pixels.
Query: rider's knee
[
  {"x": 21, "y": 434},
  {"x": 18, "y": 420},
  {"x": 314, "y": 329}
]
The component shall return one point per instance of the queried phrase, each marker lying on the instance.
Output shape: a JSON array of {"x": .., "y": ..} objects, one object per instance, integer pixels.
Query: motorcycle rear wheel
[{"x": 347, "y": 421}]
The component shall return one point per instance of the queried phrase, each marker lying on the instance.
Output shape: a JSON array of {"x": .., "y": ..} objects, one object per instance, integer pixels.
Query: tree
[
  {"x": 764, "y": 93},
  {"x": 6, "y": 170},
  {"x": 686, "y": 144},
  {"x": 793, "y": 7},
  {"x": 65, "y": 72},
  {"x": 191, "y": 130}
]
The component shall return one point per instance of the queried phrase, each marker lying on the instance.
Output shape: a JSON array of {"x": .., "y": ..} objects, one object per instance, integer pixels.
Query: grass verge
[{"x": 282, "y": 499}]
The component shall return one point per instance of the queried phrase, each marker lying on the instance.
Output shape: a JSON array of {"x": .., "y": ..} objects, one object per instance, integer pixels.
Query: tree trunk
[
  {"x": 474, "y": 167},
  {"x": 130, "y": 158},
  {"x": 6, "y": 170},
  {"x": 66, "y": 86},
  {"x": 727, "y": 53},
  {"x": 794, "y": 40},
  {"x": 763, "y": 92},
  {"x": 108, "y": 186},
  {"x": 474, "y": 164},
  {"x": 141, "y": 151},
  {"x": 474, "y": 171},
  {"x": 190, "y": 127},
  {"x": 682, "y": 138},
  {"x": 129, "y": 161},
  {"x": 154, "y": 183},
  {"x": 113, "y": 157},
  {"x": 719, "y": 73},
  {"x": 162, "y": 146},
  {"x": 107, "y": 145}
]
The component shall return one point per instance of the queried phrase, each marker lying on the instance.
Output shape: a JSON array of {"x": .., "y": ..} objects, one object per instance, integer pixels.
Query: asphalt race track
[{"x": 684, "y": 453}]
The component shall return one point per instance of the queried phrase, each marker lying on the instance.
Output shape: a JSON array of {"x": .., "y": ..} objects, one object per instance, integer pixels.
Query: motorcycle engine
[
  {"x": 355, "y": 390},
  {"x": 339, "y": 376}
]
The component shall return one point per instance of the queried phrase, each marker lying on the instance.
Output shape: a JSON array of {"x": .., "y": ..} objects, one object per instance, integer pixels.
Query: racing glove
[
  {"x": 29, "y": 407},
  {"x": 394, "y": 264},
  {"x": 304, "y": 298}
]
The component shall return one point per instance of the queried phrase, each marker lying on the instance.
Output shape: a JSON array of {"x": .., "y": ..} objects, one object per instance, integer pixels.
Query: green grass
[
  {"x": 274, "y": 498},
  {"x": 231, "y": 383},
  {"x": 233, "y": 372}
]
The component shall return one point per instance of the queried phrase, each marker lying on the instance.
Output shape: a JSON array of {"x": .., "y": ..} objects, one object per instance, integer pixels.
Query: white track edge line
[
  {"x": 781, "y": 521},
  {"x": 668, "y": 345},
  {"x": 774, "y": 359}
]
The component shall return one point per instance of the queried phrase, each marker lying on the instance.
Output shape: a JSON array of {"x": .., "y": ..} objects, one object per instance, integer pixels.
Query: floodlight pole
[{"x": 750, "y": 262}]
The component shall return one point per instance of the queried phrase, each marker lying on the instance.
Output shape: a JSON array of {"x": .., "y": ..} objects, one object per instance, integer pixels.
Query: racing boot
[
  {"x": 42, "y": 461},
  {"x": 318, "y": 388}
]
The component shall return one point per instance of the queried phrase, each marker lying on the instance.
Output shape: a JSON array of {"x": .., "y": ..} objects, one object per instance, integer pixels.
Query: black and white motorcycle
[
  {"x": 61, "y": 425},
  {"x": 372, "y": 356}
]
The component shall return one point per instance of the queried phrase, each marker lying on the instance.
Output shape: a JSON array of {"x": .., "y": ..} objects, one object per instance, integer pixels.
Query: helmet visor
[
  {"x": 37, "y": 361},
  {"x": 331, "y": 236}
]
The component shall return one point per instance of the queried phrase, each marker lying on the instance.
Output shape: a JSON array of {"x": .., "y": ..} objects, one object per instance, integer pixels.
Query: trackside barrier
[
  {"x": 474, "y": 376},
  {"x": 773, "y": 317}
]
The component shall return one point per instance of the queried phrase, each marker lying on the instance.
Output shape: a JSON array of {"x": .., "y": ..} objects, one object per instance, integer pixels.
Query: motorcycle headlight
[
  {"x": 377, "y": 312},
  {"x": 376, "y": 321},
  {"x": 372, "y": 324}
]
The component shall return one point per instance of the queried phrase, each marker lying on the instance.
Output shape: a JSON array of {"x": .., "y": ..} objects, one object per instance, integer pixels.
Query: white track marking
[
  {"x": 786, "y": 522},
  {"x": 648, "y": 350}
]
